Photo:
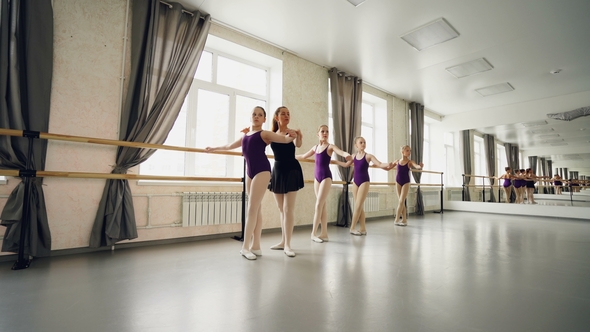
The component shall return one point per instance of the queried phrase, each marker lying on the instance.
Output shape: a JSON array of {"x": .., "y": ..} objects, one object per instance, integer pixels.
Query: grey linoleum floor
[{"x": 452, "y": 272}]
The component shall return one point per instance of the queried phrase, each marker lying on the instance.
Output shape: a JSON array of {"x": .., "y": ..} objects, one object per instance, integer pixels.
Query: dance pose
[
  {"x": 286, "y": 178},
  {"x": 530, "y": 179},
  {"x": 323, "y": 180},
  {"x": 507, "y": 185},
  {"x": 557, "y": 182},
  {"x": 519, "y": 185},
  {"x": 360, "y": 187},
  {"x": 402, "y": 179},
  {"x": 258, "y": 174}
]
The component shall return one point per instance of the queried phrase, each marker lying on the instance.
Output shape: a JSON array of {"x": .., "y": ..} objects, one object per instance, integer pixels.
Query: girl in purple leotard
[
  {"x": 323, "y": 180},
  {"x": 507, "y": 185},
  {"x": 402, "y": 179},
  {"x": 360, "y": 187},
  {"x": 258, "y": 174},
  {"x": 558, "y": 183}
]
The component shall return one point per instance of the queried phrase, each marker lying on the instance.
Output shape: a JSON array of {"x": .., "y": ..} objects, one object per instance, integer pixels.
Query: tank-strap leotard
[
  {"x": 253, "y": 147},
  {"x": 507, "y": 183},
  {"x": 361, "y": 171},
  {"x": 322, "y": 165},
  {"x": 403, "y": 173}
]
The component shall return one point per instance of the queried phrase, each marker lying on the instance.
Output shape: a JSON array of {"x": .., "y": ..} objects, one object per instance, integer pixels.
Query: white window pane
[
  {"x": 367, "y": 113},
  {"x": 212, "y": 128},
  {"x": 205, "y": 67},
  {"x": 241, "y": 76},
  {"x": 367, "y": 134},
  {"x": 449, "y": 139},
  {"x": 168, "y": 162},
  {"x": 426, "y": 131}
]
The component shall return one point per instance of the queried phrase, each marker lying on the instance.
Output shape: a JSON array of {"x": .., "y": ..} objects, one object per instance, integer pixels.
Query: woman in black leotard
[
  {"x": 286, "y": 178},
  {"x": 258, "y": 174}
]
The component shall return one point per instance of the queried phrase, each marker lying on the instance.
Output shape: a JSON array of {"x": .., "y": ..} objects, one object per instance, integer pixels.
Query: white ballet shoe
[
  {"x": 357, "y": 233},
  {"x": 256, "y": 252},
  {"x": 248, "y": 255},
  {"x": 317, "y": 239},
  {"x": 278, "y": 247},
  {"x": 290, "y": 253}
]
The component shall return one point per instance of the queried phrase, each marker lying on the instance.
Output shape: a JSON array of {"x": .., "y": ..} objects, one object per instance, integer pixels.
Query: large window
[
  {"x": 226, "y": 87},
  {"x": 427, "y": 157},
  {"x": 479, "y": 159},
  {"x": 501, "y": 158},
  {"x": 451, "y": 170},
  {"x": 373, "y": 130}
]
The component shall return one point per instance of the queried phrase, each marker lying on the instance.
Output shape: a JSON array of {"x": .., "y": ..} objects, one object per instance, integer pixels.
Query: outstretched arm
[
  {"x": 376, "y": 162},
  {"x": 339, "y": 152},
  {"x": 414, "y": 165},
  {"x": 306, "y": 155},
  {"x": 230, "y": 146},
  {"x": 269, "y": 136}
]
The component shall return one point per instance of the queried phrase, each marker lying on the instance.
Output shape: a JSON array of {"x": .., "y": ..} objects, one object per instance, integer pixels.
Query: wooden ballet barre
[
  {"x": 478, "y": 176},
  {"x": 85, "y": 175},
  {"x": 104, "y": 141},
  {"x": 424, "y": 171}
]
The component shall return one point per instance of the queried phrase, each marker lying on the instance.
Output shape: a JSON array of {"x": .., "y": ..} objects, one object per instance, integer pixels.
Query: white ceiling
[{"x": 523, "y": 40}]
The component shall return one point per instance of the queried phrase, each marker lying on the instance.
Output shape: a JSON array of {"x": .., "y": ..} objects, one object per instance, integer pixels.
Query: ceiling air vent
[
  {"x": 495, "y": 89},
  {"x": 431, "y": 34},
  {"x": 470, "y": 68},
  {"x": 534, "y": 123}
]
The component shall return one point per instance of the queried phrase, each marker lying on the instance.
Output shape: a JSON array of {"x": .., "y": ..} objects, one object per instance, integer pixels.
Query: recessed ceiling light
[
  {"x": 541, "y": 131},
  {"x": 548, "y": 135},
  {"x": 495, "y": 89},
  {"x": 470, "y": 68},
  {"x": 553, "y": 140},
  {"x": 433, "y": 33},
  {"x": 356, "y": 3},
  {"x": 555, "y": 71},
  {"x": 534, "y": 123}
]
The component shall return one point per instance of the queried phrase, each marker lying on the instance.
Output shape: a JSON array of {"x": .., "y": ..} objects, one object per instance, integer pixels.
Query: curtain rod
[{"x": 170, "y": 6}]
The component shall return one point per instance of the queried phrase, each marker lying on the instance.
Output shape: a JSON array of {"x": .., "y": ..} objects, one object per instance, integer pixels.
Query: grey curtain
[
  {"x": 490, "y": 147},
  {"x": 417, "y": 144},
  {"x": 347, "y": 100},
  {"x": 550, "y": 175},
  {"x": 543, "y": 164},
  {"x": 512, "y": 158},
  {"x": 166, "y": 46},
  {"x": 466, "y": 147},
  {"x": 533, "y": 163},
  {"x": 26, "y": 69}
]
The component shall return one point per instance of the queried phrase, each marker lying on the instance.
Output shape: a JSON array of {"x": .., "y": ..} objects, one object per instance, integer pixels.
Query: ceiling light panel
[
  {"x": 430, "y": 34},
  {"x": 356, "y": 2},
  {"x": 470, "y": 68},
  {"x": 541, "y": 131},
  {"x": 534, "y": 123},
  {"x": 558, "y": 144},
  {"x": 548, "y": 135},
  {"x": 495, "y": 89}
]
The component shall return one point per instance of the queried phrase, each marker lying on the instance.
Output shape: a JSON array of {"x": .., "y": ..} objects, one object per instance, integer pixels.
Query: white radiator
[
  {"x": 455, "y": 194},
  {"x": 431, "y": 198},
  {"x": 371, "y": 202},
  {"x": 211, "y": 208}
]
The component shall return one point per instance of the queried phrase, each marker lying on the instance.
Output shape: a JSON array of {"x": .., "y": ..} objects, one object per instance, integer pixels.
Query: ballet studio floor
[{"x": 457, "y": 271}]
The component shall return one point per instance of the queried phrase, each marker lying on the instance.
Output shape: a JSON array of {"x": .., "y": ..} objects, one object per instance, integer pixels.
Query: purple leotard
[
  {"x": 361, "y": 171},
  {"x": 322, "y": 165},
  {"x": 558, "y": 183},
  {"x": 253, "y": 147},
  {"x": 506, "y": 183},
  {"x": 403, "y": 173}
]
